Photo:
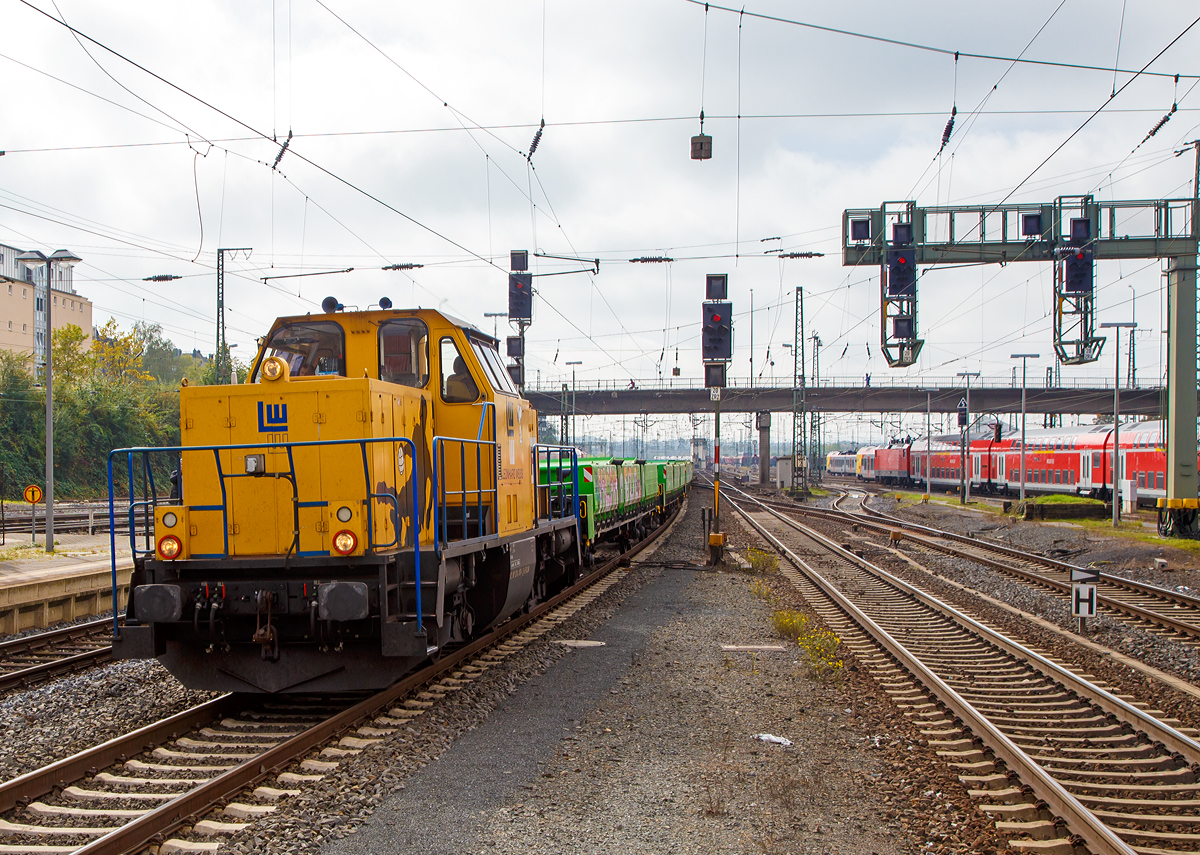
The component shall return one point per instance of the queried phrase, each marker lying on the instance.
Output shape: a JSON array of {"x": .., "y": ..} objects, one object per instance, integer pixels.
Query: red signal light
[
  {"x": 902, "y": 260},
  {"x": 716, "y": 318}
]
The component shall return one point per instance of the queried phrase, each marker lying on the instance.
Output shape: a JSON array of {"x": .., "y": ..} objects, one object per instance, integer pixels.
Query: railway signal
[
  {"x": 33, "y": 495},
  {"x": 716, "y": 335},
  {"x": 902, "y": 263},
  {"x": 1077, "y": 278},
  {"x": 716, "y": 349},
  {"x": 520, "y": 297}
]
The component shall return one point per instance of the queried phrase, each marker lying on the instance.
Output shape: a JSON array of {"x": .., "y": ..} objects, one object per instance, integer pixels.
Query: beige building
[{"x": 22, "y": 296}]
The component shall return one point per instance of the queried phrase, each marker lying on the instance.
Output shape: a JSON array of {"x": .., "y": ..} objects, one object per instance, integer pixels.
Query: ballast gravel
[
  {"x": 64, "y": 716},
  {"x": 645, "y": 744}
]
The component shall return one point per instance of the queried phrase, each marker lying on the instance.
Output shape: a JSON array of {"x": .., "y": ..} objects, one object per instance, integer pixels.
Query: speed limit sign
[{"x": 33, "y": 494}]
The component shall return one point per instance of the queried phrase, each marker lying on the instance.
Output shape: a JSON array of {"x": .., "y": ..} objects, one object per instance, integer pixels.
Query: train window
[
  {"x": 404, "y": 352},
  {"x": 490, "y": 358},
  {"x": 1141, "y": 479},
  {"x": 1159, "y": 480},
  {"x": 309, "y": 348},
  {"x": 458, "y": 386}
]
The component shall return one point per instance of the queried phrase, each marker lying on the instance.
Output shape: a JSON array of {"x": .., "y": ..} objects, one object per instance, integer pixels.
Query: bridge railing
[{"x": 887, "y": 380}]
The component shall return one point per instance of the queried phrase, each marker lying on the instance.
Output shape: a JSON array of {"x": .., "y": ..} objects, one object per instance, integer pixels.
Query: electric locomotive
[{"x": 374, "y": 494}]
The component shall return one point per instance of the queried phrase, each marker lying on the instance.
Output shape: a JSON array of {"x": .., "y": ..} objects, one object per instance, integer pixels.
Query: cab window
[
  {"x": 404, "y": 352},
  {"x": 309, "y": 349},
  {"x": 497, "y": 373},
  {"x": 458, "y": 386}
]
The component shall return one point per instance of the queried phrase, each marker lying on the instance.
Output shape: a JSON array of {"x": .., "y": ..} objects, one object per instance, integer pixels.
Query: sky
[{"x": 151, "y": 137}]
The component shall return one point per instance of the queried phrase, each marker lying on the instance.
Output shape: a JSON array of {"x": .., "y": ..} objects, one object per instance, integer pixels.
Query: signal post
[{"x": 716, "y": 349}]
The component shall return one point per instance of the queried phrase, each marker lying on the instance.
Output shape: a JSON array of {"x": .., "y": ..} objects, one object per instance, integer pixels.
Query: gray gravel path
[{"x": 496, "y": 764}]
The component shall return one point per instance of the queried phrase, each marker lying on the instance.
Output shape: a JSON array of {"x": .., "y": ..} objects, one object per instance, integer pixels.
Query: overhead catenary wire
[
  {"x": 923, "y": 47},
  {"x": 338, "y": 178}
]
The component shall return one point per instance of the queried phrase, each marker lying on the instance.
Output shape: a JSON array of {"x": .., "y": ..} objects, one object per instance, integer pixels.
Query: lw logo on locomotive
[{"x": 272, "y": 417}]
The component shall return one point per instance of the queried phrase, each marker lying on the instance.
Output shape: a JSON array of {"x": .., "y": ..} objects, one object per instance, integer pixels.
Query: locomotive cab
[{"x": 369, "y": 497}]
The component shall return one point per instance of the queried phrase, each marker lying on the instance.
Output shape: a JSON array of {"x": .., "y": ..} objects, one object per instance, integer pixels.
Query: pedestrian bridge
[{"x": 942, "y": 395}]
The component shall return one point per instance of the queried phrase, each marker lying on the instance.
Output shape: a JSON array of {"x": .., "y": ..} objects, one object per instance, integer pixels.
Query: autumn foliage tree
[{"x": 104, "y": 398}]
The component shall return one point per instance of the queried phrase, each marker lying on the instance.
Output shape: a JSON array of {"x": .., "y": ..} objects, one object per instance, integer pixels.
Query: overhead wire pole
[
  {"x": 222, "y": 351},
  {"x": 1116, "y": 327},
  {"x": 1182, "y": 483},
  {"x": 1023, "y": 357},
  {"x": 798, "y": 374}
]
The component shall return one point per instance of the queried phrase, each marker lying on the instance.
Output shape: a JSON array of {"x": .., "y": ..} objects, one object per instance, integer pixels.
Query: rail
[
  {"x": 1099, "y": 838},
  {"x": 150, "y": 498}
]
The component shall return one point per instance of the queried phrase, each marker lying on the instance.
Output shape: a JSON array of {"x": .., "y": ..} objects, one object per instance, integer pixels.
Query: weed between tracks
[
  {"x": 819, "y": 645},
  {"x": 762, "y": 562}
]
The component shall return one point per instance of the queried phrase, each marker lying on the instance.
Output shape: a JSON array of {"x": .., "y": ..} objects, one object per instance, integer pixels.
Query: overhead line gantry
[{"x": 1070, "y": 232}]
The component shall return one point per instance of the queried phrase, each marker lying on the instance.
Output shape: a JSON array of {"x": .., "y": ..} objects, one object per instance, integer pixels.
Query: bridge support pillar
[{"x": 763, "y": 422}]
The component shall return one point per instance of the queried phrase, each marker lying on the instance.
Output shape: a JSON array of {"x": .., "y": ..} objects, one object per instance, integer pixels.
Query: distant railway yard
[{"x": 860, "y": 677}]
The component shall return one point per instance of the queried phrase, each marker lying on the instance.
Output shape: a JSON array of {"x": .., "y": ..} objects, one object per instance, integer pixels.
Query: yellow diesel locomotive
[{"x": 373, "y": 494}]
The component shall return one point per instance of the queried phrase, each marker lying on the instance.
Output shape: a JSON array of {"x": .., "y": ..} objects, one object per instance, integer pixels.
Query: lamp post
[
  {"x": 965, "y": 483},
  {"x": 66, "y": 259},
  {"x": 1116, "y": 452},
  {"x": 232, "y": 367},
  {"x": 573, "y": 363},
  {"x": 1023, "y": 357},
  {"x": 495, "y": 323},
  {"x": 928, "y": 431}
]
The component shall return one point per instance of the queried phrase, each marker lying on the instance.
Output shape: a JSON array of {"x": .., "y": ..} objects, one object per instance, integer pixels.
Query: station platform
[{"x": 39, "y": 589}]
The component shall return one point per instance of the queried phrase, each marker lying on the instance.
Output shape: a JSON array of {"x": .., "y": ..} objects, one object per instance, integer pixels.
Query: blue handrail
[
  {"x": 153, "y": 500},
  {"x": 441, "y": 525},
  {"x": 555, "y": 458}
]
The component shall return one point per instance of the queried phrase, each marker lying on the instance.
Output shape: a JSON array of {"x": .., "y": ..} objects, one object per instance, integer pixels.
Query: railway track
[
  {"x": 1161, "y": 610},
  {"x": 209, "y": 771},
  {"x": 68, "y": 519},
  {"x": 34, "y": 658},
  {"x": 1062, "y": 764}
]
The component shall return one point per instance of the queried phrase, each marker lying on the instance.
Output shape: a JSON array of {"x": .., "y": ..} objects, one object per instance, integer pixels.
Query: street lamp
[
  {"x": 965, "y": 482},
  {"x": 928, "y": 432},
  {"x": 232, "y": 367},
  {"x": 66, "y": 259},
  {"x": 573, "y": 363},
  {"x": 495, "y": 323},
  {"x": 1023, "y": 357},
  {"x": 1116, "y": 452}
]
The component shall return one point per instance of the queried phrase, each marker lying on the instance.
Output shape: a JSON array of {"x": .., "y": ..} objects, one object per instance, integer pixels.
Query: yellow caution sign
[{"x": 33, "y": 494}]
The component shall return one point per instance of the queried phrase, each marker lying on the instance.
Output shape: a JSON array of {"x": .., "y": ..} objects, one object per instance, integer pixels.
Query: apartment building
[{"x": 22, "y": 305}]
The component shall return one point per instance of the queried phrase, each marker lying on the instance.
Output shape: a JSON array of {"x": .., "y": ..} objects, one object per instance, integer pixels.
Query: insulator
[
  {"x": 949, "y": 129},
  {"x": 537, "y": 138}
]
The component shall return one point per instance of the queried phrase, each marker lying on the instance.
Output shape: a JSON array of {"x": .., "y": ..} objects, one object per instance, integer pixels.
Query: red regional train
[{"x": 1058, "y": 460}]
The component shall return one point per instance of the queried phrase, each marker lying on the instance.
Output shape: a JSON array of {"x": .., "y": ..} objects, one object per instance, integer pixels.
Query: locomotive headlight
[
  {"x": 345, "y": 542},
  {"x": 169, "y": 546},
  {"x": 273, "y": 368},
  {"x": 169, "y": 519},
  {"x": 344, "y": 514}
]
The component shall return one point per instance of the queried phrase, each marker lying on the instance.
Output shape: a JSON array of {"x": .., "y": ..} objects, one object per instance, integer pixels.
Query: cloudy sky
[{"x": 146, "y": 140}]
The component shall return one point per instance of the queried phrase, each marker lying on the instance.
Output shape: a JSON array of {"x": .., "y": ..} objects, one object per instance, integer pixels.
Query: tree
[
  {"x": 161, "y": 359},
  {"x": 118, "y": 355},
  {"x": 72, "y": 361},
  {"x": 208, "y": 374}
]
